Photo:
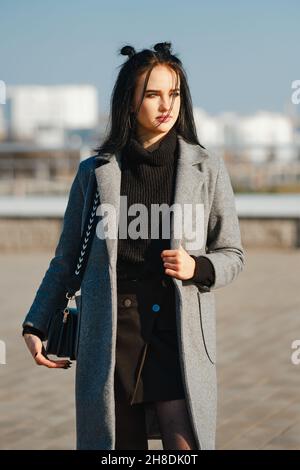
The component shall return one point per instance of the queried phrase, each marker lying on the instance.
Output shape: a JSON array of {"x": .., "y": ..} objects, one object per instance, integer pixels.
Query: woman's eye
[{"x": 176, "y": 93}]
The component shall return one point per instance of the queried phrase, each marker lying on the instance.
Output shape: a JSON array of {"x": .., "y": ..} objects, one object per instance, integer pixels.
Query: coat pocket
[{"x": 206, "y": 302}]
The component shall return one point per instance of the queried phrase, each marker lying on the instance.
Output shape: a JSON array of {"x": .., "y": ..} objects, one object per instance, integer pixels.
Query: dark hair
[{"x": 121, "y": 120}]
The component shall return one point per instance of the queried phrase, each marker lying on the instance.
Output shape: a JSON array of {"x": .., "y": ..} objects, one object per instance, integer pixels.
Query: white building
[
  {"x": 260, "y": 135},
  {"x": 266, "y": 133},
  {"x": 209, "y": 130},
  {"x": 42, "y": 113}
]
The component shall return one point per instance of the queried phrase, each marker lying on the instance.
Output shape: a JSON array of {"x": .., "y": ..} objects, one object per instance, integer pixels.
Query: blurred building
[
  {"x": 44, "y": 129},
  {"x": 262, "y": 151},
  {"x": 261, "y": 137},
  {"x": 268, "y": 137},
  {"x": 51, "y": 115}
]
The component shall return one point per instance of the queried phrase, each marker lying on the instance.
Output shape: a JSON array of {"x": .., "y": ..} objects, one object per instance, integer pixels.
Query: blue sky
[{"x": 239, "y": 56}]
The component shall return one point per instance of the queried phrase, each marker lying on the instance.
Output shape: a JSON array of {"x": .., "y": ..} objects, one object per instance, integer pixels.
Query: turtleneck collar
[{"x": 135, "y": 153}]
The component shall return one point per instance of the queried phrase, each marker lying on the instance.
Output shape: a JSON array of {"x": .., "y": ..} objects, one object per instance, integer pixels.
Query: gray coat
[{"x": 201, "y": 178}]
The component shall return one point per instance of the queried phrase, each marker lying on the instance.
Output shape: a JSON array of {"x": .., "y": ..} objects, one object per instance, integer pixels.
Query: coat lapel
[
  {"x": 189, "y": 180},
  {"x": 188, "y": 183},
  {"x": 108, "y": 176}
]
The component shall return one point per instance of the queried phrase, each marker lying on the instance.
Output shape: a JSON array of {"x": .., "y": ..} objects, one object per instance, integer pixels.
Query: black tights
[{"x": 174, "y": 424}]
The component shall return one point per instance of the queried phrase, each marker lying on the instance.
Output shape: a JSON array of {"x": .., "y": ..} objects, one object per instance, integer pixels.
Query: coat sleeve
[
  {"x": 51, "y": 292},
  {"x": 224, "y": 247}
]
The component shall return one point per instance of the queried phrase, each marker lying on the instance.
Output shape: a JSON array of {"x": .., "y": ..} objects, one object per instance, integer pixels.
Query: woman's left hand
[{"x": 178, "y": 263}]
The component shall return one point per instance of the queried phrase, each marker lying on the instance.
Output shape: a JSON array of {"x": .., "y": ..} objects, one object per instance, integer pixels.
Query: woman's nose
[{"x": 164, "y": 105}]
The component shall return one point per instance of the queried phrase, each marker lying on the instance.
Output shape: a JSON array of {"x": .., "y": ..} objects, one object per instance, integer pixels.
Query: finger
[
  {"x": 59, "y": 361},
  {"x": 56, "y": 365},
  {"x": 175, "y": 262},
  {"x": 42, "y": 355},
  {"x": 62, "y": 362},
  {"x": 170, "y": 265},
  {"x": 43, "y": 361},
  {"x": 170, "y": 258},
  {"x": 168, "y": 253},
  {"x": 68, "y": 363},
  {"x": 171, "y": 272}
]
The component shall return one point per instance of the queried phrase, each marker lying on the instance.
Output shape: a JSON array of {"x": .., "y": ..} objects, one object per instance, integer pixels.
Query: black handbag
[{"x": 63, "y": 328}]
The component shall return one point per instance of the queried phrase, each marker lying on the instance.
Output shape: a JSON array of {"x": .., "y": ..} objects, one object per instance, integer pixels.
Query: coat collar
[{"x": 189, "y": 180}]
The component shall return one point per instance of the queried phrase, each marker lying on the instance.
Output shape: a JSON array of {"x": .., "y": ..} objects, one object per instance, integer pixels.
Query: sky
[{"x": 239, "y": 56}]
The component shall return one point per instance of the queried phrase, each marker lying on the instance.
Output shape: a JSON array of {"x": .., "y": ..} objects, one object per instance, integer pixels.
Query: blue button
[{"x": 155, "y": 307}]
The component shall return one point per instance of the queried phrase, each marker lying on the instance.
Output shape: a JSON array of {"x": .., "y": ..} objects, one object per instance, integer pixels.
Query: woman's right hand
[{"x": 38, "y": 352}]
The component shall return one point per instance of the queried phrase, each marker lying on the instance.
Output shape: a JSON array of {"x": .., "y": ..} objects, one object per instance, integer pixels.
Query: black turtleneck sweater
[{"x": 148, "y": 178}]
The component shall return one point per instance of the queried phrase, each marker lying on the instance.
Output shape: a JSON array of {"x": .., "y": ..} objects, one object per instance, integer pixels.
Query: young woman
[{"x": 146, "y": 346}]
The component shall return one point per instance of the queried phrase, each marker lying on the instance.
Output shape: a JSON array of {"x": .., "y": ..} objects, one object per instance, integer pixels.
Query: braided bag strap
[{"x": 85, "y": 245}]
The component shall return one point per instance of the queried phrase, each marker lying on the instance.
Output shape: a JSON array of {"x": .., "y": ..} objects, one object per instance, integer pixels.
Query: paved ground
[{"x": 259, "y": 400}]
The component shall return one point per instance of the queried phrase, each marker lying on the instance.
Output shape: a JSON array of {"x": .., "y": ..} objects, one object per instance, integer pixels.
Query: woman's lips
[{"x": 164, "y": 119}]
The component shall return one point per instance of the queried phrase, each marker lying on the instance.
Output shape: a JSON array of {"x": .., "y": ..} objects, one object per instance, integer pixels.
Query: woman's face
[{"x": 157, "y": 102}]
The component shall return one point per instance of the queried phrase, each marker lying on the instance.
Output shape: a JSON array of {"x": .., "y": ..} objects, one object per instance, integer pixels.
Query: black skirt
[{"x": 147, "y": 355}]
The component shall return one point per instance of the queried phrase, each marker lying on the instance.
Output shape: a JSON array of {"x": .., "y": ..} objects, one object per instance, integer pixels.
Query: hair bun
[
  {"x": 128, "y": 50},
  {"x": 164, "y": 47}
]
